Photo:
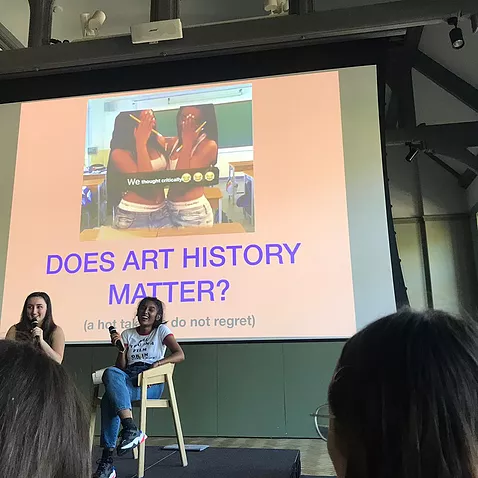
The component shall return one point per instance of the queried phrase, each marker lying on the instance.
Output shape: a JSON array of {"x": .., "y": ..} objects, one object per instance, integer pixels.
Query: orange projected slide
[{"x": 226, "y": 201}]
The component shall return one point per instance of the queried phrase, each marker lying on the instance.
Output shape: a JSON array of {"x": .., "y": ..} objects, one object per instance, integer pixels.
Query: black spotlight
[
  {"x": 412, "y": 154},
  {"x": 456, "y": 34}
]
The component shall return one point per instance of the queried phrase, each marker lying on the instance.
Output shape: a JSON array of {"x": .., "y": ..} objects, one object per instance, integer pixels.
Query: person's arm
[
  {"x": 124, "y": 159},
  {"x": 121, "y": 361},
  {"x": 142, "y": 134},
  {"x": 167, "y": 142},
  {"x": 189, "y": 137},
  {"x": 182, "y": 159},
  {"x": 177, "y": 354},
  {"x": 204, "y": 156},
  {"x": 171, "y": 146},
  {"x": 12, "y": 333},
  {"x": 57, "y": 348}
]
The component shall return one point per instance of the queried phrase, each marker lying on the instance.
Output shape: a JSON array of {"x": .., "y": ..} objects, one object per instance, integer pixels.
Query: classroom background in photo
[{"x": 232, "y": 199}]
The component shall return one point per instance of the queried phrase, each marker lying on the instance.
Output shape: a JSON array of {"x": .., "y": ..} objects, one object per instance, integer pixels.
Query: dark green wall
[
  {"x": 234, "y": 123},
  {"x": 240, "y": 390}
]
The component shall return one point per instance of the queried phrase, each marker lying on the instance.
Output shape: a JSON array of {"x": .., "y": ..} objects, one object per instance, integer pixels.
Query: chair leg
[
  {"x": 92, "y": 426},
  {"x": 135, "y": 453},
  {"x": 142, "y": 425},
  {"x": 177, "y": 421},
  {"x": 94, "y": 398}
]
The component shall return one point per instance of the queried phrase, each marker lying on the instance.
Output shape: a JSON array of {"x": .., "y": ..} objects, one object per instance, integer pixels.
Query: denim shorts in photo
[{"x": 142, "y": 220}]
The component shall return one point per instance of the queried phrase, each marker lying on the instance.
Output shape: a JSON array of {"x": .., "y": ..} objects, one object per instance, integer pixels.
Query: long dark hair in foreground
[
  {"x": 404, "y": 398},
  {"x": 24, "y": 326},
  {"x": 43, "y": 420}
]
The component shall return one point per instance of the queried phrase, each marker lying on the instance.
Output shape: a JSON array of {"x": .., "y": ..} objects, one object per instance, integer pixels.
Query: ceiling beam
[
  {"x": 447, "y": 80},
  {"x": 458, "y": 154},
  {"x": 450, "y": 140},
  {"x": 301, "y": 7},
  {"x": 164, "y": 10},
  {"x": 391, "y": 118},
  {"x": 235, "y": 37},
  {"x": 413, "y": 38},
  {"x": 467, "y": 178},
  {"x": 407, "y": 117},
  {"x": 398, "y": 77},
  {"x": 8, "y": 41},
  {"x": 41, "y": 18},
  {"x": 443, "y": 165},
  {"x": 463, "y": 134},
  {"x": 464, "y": 180}
]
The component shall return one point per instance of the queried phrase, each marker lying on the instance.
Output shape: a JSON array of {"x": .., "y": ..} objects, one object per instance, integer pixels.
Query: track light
[
  {"x": 456, "y": 34},
  {"x": 413, "y": 152},
  {"x": 91, "y": 23}
]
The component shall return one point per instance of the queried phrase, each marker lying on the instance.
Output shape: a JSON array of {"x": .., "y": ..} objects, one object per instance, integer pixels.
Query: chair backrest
[
  {"x": 161, "y": 374},
  {"x": 97, "y": 377}
]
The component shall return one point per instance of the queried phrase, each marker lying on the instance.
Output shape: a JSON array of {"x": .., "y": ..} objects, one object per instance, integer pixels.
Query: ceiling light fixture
[
  {"x": 456, "y": 34},
  {"x": 414, "y": 150}
]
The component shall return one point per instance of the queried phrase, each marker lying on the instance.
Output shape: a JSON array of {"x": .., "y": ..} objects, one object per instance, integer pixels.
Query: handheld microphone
[
  {"x": 118, "y": 344},
  {"x": 34, "y": 325}
]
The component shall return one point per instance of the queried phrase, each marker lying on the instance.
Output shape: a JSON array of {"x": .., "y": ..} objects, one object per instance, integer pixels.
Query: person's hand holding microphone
[
  {"x": 116, "y": 339},
  {"x": 37, "y": 332}
]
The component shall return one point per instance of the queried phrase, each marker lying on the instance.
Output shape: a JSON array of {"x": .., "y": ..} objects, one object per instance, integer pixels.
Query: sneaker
[
  {"x": 105, "y": 469},
  {"x": 130, "y": 438}
]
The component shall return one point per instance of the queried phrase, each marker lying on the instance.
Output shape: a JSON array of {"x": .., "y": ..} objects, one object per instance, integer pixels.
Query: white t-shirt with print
[{"x": 145, "y": 348}]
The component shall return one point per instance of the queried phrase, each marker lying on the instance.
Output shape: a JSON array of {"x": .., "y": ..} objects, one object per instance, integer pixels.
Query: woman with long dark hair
[
  {"x": 196, "y": 147},
  {"x": 38, "y": 327},
  {"x": 145, "y": 348},
  {"x": 44, "y": 420},
  {"x": 404, "y": 399},
  {"x": 136, "y": 149}
]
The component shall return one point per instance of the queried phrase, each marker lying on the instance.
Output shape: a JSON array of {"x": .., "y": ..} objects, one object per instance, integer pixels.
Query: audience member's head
[
  {"x": 404, "y": 399},
  {"x": 43, "y": 422}
]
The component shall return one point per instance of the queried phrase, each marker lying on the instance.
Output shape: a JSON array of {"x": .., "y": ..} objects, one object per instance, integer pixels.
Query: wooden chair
[{"x": 154, "y": 376}]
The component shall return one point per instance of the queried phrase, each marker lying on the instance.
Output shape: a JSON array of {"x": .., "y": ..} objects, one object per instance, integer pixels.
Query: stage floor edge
[{"x": 212, "y": 463}]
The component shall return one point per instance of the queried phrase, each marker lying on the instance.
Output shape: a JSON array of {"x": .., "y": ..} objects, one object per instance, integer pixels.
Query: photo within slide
[{"x": 165, "y": 164}]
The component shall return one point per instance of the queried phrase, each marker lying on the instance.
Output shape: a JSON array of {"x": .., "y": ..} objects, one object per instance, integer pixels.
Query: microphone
[
  {"x": 34, "y": 325},
  {"x": 118, "y": 344}
]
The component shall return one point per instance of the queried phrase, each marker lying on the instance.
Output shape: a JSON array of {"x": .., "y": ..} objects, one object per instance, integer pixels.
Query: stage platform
[{"x": 212, "y": 463}]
